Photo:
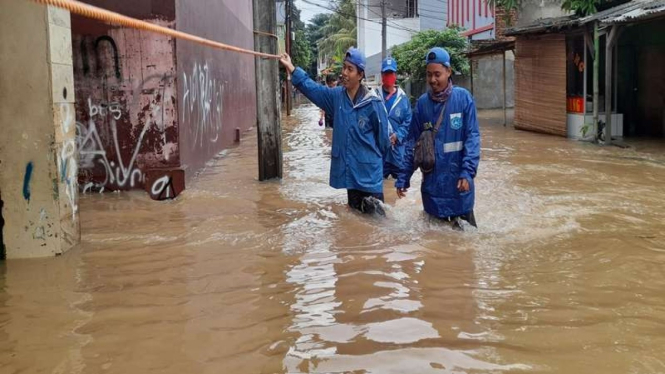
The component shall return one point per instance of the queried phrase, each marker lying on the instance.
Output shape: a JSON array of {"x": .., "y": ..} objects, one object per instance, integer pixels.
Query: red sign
[{"x": 575, "y": 104}]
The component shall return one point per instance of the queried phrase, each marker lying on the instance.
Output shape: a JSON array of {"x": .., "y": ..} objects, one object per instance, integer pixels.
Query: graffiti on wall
[
  {"x": 92, "y": 150},
  {"x": 27, "y": 177},
  {"x": 202, "y": 105},
  {"x": 126, "y": 120},
  {"x": 67, "y": 165}
]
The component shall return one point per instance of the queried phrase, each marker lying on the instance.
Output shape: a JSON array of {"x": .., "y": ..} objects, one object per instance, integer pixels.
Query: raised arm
[{"x": 320, "y": 95}]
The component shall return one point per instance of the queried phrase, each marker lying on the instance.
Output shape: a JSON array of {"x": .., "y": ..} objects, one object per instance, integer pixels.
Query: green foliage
[
  {"x": 580, "y": 7},
  {"x": 314, "y": 33},
  {"x": 410, "y": 56},
  {"x": 300, "y": 50},
  {"x": 340, "y": 31}
]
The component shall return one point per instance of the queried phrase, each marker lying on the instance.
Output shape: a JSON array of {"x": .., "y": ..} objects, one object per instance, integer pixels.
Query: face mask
[{"x": 389, "y": 79}]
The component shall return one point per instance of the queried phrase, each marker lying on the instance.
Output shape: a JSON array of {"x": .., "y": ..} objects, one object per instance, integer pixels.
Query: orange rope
[
  {"x": 118, "y": 19},
  {"x": 266, "y": 34}
]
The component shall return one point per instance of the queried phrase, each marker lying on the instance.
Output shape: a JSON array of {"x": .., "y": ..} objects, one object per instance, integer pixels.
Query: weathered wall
[
  {"x": 532, "y": 10},
  {"x": 488, "y": 81},
  {"x": 216, "y": 89},
  {"x": 37, "y": 147},
  {"x": 126, "y": 115}
]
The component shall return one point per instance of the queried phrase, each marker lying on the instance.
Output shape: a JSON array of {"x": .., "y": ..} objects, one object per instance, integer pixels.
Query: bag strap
[{"x": 440, "y": 120}]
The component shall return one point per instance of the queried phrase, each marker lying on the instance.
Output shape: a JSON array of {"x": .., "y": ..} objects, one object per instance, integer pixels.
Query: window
[{"x": 411, "y": 8}]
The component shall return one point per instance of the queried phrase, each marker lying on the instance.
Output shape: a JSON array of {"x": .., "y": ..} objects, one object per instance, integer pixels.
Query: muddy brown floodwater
[{"x": 565, "y": 275}]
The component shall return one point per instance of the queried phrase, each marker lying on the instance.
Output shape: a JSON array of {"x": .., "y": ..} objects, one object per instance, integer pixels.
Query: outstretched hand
[{"x": 285, "y": 59}]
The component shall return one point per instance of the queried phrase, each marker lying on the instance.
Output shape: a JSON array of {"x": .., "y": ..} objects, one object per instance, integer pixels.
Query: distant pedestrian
[
  {"x": 361, "y": 136},
  {"x": 399, "y": 114},
  {"x": 327, "y": 117},
  {"x": 449, "y": 154}
]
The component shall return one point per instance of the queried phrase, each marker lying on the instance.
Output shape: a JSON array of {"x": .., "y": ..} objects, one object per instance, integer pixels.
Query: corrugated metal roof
[{"x": 633, "y": 11}]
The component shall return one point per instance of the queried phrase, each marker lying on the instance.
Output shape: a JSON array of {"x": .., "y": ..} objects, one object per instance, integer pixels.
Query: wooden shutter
[{"x": 540, "y": 87}]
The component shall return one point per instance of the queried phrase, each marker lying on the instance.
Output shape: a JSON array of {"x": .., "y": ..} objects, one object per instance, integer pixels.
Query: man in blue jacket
[
  {"x": 361, "y": 135},
  {"x": 399, "y": 114},
  {"x": 448, "y": 190}
]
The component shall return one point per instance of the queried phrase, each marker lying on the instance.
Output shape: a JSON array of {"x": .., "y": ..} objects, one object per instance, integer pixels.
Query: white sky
[{"x": 307, "y": 11}]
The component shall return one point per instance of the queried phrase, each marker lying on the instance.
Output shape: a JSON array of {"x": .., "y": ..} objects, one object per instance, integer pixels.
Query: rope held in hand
[{"x": 107, "y": 16}]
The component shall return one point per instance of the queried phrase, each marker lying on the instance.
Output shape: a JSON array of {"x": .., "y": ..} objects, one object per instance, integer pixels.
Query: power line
[{"x": 356, "y": 16}]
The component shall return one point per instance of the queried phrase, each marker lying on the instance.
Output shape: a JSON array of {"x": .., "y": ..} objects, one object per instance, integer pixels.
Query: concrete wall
[
  {"x": 216, "y": 89},
  {"x": 37, "y": 148},
  {"x": 398, "y": 31},
  {"x": 532, "y": 10},
  {"x": 488, "y": 81},
  {"x": 126, "y": 101},
  {"x": 433, "y": 14}
]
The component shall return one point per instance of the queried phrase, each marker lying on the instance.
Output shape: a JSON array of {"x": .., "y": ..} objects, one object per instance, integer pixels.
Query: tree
[
  {"x": 340, "y": 31},
  {"x": 581, "y": 7},
  {"x": 314, "y": 33},
  {"x": 302, "y": 55},
  {"x": 300, "y": 51},
  {"x": 410, "y": 56}
]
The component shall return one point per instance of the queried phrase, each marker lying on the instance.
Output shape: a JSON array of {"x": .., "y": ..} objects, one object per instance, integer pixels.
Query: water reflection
[{"x": 564, "y": 275}]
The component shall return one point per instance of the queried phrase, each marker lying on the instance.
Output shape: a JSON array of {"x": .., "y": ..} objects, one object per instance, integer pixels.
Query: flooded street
[{"x": 565, "y": 275}]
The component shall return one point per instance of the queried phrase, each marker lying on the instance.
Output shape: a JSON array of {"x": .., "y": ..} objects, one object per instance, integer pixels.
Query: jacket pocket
[{"x": 369, "y": 173}]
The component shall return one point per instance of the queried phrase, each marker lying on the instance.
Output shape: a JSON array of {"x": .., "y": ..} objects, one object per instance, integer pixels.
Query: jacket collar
[
  {"x": 400, "y": 95},
  {"x": 364, "y": 97}
]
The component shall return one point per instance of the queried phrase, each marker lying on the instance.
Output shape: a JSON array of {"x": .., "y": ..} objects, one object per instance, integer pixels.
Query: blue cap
[
  {"x": 438, "y": 55},
  {"x": 356, "y": 57},
  {"x": 389, "y": 64}
]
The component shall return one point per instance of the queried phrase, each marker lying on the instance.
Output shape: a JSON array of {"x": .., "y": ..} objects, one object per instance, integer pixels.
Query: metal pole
[
  {"x": 267, "y": 93},
  {"x": 596, "y": 68},
  {"x": 288, "y": 50},
  {"x": 471, "y": 72},
  {"x": 609, "y": 58},
  {"x": 384, "y": 32},
  {"x": 505, "y": 96}
]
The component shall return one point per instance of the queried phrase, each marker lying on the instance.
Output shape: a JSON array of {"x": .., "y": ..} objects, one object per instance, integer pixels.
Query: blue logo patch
[
  {"x": 362, "y": 121},
  {"x": 456, "y": 121}
]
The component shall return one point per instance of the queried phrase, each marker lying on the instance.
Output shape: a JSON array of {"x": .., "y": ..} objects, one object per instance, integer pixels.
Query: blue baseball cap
[
  {"x": 438, "y": 55},
  {"x": 356, "y": 57},
  {"x": 388, "y": 64}
]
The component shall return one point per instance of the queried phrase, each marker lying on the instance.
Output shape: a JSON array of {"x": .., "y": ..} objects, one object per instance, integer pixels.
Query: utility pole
[
  {"x": 268, "y": 125},
  {"x": 596, "y": 90},
  {"x": 288, "y": 50},
  {"x": 384, "y": 33}
]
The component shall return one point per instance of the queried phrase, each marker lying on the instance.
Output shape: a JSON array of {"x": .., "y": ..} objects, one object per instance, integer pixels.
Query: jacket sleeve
[
  {"x": 406, "y": 172},
  {"x": 471, "y": 155},
  {"x": 403, "y": 128},
  {"x": 322, "y": 96},
  {"x": 382, "y": 127}
]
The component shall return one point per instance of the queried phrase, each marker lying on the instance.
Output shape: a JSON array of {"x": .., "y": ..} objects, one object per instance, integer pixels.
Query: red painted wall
[
  {"x": 125, "y": 83},
  {"x": 216, "y": 89},
  {"x": 148, "y": 105}
]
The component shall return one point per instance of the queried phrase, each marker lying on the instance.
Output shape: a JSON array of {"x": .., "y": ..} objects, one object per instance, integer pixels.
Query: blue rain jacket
[
  {"x": 360, "y": 136},
  {"x": 399, "y": 116},
  {"x": 457, "y": 147}
]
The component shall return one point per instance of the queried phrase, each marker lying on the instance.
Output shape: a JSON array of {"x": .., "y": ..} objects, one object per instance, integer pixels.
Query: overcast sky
[{"x": 307, "y": 11}]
